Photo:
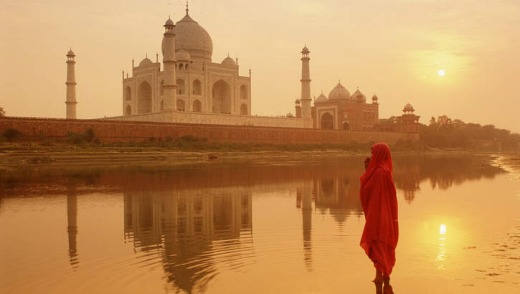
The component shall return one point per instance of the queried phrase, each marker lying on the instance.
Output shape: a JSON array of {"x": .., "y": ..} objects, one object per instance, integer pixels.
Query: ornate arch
[
  {"x": 197, "y": 106},
  {"x": 128, "y": 93},
  {"x": 327, "y": 121},
  {"x": 197, "y": 87},
  {"x": 243, "y": 92},
  {"x": 221, "y": 97},
  {"x": 181, "y": 87},
  {"x": 243, "y": 109},
  {"x": 144, "y": 98}
]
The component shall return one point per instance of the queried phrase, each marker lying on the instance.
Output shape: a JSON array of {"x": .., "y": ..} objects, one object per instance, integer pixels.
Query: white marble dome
[
  {"x": 339, "y": 92},
  {"x": 145, "y": 62},
  {"x": 228, "y": 61},
  {"x": 193, "y": 38}
]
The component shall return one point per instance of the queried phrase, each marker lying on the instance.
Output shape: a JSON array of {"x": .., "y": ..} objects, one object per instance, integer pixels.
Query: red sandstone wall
[{"x": 36, "y": 129}]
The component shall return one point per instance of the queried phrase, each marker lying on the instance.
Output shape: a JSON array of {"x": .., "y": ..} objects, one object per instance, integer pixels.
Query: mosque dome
[
  {"x": 321, "y": 98},
  {"x": 228, "y": 61},
  {"x": 408, "y": 108},
  {"x": 145, "y": 62},
  {"x": 358, "y": 96},
  {"x": 70, "y": 53},
  {"x": 305, "y": 50},
  {"x": 182, "y": 55},
  {"x": 194, "y": 39},
  {"x": 297, "y": 102},
  {"x": 339, "y": 92}
]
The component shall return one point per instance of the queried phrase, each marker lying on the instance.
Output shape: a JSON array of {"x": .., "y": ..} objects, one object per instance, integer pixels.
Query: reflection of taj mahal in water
[
  {"x": 192, "y": 88},
  {"x": 178, "y": 218}
]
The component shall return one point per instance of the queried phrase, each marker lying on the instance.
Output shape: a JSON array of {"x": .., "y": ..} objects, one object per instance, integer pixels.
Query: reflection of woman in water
[{"x": 379, "y": 201}]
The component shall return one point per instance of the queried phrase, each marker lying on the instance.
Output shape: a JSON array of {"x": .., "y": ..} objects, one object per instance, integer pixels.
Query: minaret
[
  {"x": 70, "y": 101},
  {"x": 169, "y": 64},
  {"x": 306, "y": 84}
]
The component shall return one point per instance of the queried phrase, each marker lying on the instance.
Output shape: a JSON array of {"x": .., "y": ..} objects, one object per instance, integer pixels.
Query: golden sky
[{"x": 391, "y": 48}]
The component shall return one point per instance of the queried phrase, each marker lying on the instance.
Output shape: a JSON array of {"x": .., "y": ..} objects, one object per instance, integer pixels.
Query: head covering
[
  {"x": 379, "y": 201},
  {"x": 382, "y": 158}
]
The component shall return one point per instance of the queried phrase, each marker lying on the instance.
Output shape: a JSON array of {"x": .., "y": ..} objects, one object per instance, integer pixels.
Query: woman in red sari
[{"x": 379, "y": 201}]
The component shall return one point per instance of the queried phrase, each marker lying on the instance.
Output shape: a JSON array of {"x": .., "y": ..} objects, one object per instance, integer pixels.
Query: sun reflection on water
[{"x": 441, "y": 255}]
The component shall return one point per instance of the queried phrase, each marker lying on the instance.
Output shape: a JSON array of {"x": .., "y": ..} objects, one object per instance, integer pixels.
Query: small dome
[
  {"x": 145, "y": 62},
  {"x": 169, "y": 23},
  {"x": 305, "y": 50},
  {"x": 228, "y": 61},
  {"x": 297, "y": 102},
  {"x": 408, "y": 108},
  {"x": 321, "y": 98},
  {"x": 182, "y": 55},
  {"x": 339, "y": 92},
  {"x": 290, "y": 115},
  {"x": 358, "y": 96},
  {"x": 374, "y": 98},
  {"x": 71, "y": 53}
]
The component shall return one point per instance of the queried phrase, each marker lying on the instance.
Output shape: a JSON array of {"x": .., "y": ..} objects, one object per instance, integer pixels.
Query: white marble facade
[{"x": 187, "y": 80}]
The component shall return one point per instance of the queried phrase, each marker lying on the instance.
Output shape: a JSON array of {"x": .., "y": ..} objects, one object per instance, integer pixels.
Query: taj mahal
[{"x": 189, "y": 87}]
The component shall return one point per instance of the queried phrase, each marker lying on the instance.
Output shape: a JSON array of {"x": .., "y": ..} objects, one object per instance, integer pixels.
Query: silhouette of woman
[{"x": 379, "y": 202}]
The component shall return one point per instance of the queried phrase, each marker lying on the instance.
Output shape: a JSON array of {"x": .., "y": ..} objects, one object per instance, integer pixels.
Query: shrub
[{"x": 11, "y": 134}]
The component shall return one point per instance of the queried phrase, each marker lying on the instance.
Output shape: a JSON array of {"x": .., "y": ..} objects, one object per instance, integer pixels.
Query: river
[{"x": 256, "y": 227}]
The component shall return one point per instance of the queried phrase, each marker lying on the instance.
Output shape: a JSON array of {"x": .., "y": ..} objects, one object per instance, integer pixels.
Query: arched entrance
[
  {"x": 128, "y": 93},
  {"x": 181, "y": 105},
  {"x": 197, "y": 106},
  {"x": 181, "y": 88},
  {"x": 346, "y": 125},
  {"x": 197, "y": 87},
  {"x": 144, "y": 98},
  {"x": 221, "y": 97},
  {"x": 243, "y": 109},
  {"x": 327, "y": 121},
  {"x": 243, "y": 92}
]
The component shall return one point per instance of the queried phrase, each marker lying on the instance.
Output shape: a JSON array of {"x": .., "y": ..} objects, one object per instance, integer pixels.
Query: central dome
[
  {"x": 339, "y": 92},
  {"x": 194, "y": 39}
]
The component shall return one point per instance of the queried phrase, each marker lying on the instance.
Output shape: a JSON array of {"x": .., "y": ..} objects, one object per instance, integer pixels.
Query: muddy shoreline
[{"x": 42, "y": 157}]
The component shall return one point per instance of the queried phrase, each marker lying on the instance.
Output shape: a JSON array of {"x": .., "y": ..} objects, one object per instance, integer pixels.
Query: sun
[{"x": 441, "y": 72}]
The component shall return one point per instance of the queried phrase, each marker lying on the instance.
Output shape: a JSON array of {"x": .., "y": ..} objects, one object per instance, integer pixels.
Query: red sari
[{"x": 379, "y": 201}]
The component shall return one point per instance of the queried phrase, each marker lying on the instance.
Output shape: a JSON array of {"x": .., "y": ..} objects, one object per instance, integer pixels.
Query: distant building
[
  {"x": 342, "y": 111},
  {"x": 408, "y": 122}
]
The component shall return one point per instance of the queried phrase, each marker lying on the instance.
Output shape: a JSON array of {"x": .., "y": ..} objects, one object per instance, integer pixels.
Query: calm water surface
[{"x": 256, "y": 228}]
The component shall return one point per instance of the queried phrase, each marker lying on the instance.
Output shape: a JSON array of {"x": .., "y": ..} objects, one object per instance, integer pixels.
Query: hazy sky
[{"x": 392, "y": 48}]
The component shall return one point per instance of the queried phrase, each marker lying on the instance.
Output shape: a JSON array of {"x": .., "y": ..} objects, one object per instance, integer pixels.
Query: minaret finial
[{"x": 187, "y": 8}]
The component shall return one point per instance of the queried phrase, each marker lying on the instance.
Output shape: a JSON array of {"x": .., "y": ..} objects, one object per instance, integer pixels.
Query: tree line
[{"x": 444, "y": 132}]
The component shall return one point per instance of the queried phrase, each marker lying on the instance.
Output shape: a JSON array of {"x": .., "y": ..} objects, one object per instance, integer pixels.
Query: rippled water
[{"x": 256, "y": 228}]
